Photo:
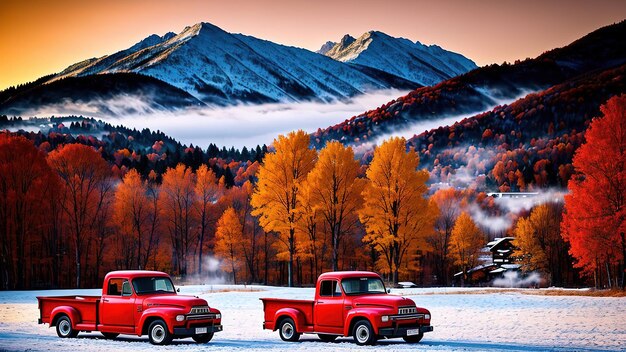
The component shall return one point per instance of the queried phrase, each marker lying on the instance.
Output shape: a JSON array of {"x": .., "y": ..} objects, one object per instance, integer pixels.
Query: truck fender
[
  {"x": 67, "y": 310},
  {"x": 357, "y": 314},
  {"x": 296, "y": 315},
  {"x": 167, "y": 314}
]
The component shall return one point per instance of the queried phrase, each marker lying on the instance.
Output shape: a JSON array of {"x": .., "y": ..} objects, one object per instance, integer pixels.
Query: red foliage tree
[
  {"x": 85, "y": 198},
  {"x": 595, "y": 210}
]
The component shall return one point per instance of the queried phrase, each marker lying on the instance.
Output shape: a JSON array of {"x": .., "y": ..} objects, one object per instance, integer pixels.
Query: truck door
[
  {"x": 329, "y": 310},
  {"x": 117, "y": 307}
]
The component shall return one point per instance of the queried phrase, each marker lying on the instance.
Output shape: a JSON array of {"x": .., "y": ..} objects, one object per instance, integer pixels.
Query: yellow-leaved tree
[
  {"x": 466, "y": 242},
  {"x": 334, "y": 190},
  {"x": 275, "y": 198},
  {"x": 396, "y": 215},
  {"x": 208, "y": 193},
  {"x": 539, "y": 240},
  {"x": 227, "y": 238}
]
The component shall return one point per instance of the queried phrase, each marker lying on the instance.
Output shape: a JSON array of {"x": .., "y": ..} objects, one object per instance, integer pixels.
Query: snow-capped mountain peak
[{"x": 426, "y": 65}]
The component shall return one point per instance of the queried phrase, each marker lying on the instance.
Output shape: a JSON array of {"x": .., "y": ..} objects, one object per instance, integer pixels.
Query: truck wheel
[
  {"x": 110, "y": 335},
  {"x": 414, "y": 338},
  {"x": 327, "y": 338},
  {"x": 158, "y": 333},
  {"x": 287, "y": 330},
  {"x": 204, "y": 338},
  {"x": 64, "y": 327},
  {"x": 364, "y": 333}
]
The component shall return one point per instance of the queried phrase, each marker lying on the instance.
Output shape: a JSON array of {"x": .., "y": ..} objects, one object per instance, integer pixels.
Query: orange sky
[{"x": 38, "y": 37}]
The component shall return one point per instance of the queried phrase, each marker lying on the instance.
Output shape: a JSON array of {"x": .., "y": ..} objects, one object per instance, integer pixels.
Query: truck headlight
[
  {"x": 385, "y": 318},
  {"x": 427, "y": 316},
  {"x": 180, "y": 317},
  {"x": 218, "y": 316}
]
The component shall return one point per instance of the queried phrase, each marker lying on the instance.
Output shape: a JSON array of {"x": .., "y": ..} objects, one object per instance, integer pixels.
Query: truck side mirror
[
  {"x": 388, "y": 290},
  {"x": 178, "y": 289}
]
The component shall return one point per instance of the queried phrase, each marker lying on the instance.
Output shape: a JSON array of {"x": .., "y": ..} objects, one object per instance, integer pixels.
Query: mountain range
[
  {"x": 422, "y": 64},
  {"x": 215, "y": 67},
  {"x": 484, "y": 88}
]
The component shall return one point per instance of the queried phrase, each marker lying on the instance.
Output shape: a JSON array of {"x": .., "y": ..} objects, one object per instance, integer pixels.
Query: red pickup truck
[
  {"x": 349, "y": 303},
  {"x": 133, "y": 303}
]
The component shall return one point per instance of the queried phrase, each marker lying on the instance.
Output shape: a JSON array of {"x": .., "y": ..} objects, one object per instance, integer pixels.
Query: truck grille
[
  {"x": 407, "y": 310},
  {"x": 199, "y": 310}
]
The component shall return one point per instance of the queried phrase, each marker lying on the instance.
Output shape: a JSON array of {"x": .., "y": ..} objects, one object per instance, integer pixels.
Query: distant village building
[
  {"x": 496, "y": 259},
  {"x": 512, "y": 194}
]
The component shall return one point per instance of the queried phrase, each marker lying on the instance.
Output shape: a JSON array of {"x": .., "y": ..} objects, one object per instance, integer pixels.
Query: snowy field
[{"x": 464, "y": 320}]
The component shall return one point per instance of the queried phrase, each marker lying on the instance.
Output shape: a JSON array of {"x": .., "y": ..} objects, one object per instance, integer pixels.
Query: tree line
[{"x": 68, "y": 214}]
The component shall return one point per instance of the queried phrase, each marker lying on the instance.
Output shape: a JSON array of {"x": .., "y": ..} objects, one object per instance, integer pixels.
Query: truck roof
[
  {"x": 135, "y": 273},
  {"x": 347, "y": 274}
]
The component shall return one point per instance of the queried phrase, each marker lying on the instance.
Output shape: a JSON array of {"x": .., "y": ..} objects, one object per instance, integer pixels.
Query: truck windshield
[
  {"x": 149, "y": 285},
  {"x": 362, "y": 285}
]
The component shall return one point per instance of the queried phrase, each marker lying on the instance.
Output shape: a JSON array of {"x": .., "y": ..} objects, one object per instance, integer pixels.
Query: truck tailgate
[
  {"x": 272, "y": 305},
  {"x": 86, "y": 306}
]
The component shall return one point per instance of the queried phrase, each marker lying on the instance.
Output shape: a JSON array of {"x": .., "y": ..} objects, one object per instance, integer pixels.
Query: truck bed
[
  {"x": 272, "y": 305},
  {"x": 86, "y": 306}
]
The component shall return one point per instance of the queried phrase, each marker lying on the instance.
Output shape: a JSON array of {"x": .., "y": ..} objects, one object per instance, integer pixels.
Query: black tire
[
  {"x": 363, "y": 333},
  {"x": 327, "y": 338},
  {"x": 110, "y": 335},
  {"x": 158, "y": 333},
  {"x": 64, "y": 327},
  {"x": 414, "y": 338},
  {"x": 204, "y": 338},
  {"x": 287, "y": 330}
]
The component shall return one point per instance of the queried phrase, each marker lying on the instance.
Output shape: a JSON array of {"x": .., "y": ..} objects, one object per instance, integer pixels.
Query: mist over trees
[{"x": 73, "y": 207}]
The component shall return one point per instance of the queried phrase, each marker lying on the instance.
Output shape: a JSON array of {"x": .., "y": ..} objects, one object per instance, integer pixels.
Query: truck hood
[
  {"x": 174, "y": 300},
  {"x": 382, "y": 301}
]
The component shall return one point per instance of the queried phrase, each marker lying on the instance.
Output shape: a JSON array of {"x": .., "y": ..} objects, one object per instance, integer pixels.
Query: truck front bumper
[
  {"x": 193, "y": 331},
  {"x": 400, "y": 331}
]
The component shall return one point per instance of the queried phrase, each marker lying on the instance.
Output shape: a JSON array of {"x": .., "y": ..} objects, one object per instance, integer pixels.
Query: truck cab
[
  {"x": 137, "y": 303},
  {"x": 352, "y": 303}
]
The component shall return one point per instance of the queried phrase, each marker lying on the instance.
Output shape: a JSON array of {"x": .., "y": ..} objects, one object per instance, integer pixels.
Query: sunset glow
[{"x": 41, "y": 37}]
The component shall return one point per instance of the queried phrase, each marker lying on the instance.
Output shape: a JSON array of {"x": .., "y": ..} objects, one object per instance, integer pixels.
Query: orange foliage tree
[
  {"x": 275, "y": 199},
  {"x": 134, "y": 215},
  {"x": 177, "y": 198},
  {"x": 396, "y": 215},
  {"x": 334, "y": 191},
  {"x": 465, "y": 243},
  {"x": 448, "y": 202},
  {"x": 228, "y": 238},
  {"x": 86, "y": 192},
  {"x": 595, "y": 209},
  {"x": 208, "y": 193}
]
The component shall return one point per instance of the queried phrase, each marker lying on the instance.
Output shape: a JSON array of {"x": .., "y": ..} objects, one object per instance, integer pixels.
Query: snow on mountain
[
  {"x": 326, "y": 47},
  {"x": 218, "y": 67},
  {"x": 422, "y": 64}
]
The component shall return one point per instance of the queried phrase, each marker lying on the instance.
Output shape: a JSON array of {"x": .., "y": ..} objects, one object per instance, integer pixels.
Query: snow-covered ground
[{"x": 464, "y": 320}]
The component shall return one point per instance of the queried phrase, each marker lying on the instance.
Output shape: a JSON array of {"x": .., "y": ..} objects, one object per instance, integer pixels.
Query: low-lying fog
[{"x": 251, "y": 125}]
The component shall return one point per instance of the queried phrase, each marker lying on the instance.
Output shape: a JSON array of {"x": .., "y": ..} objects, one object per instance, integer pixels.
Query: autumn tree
[
  {"x": 396, "y": 215},
  {"x": 227, "y": 241},
  {"x": 595, "y": 213},
  {"x": 310, "y": 227},
  {"x": 448, "y": 202},
  {"x": 25, "y": 180},
  {"x": 334, "y": 190},
  {"x": 540, "y": 244},
  {"x": 275, "y": 199},
  {"x": 86, "y": 185},
  {"x": 207, "y": 194},
  {"x": 177, "y": 197},
  {"x": 466, "y": 242},
  {"x": 239, "y": 199},
  {"x": 134, "y": 215}
]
